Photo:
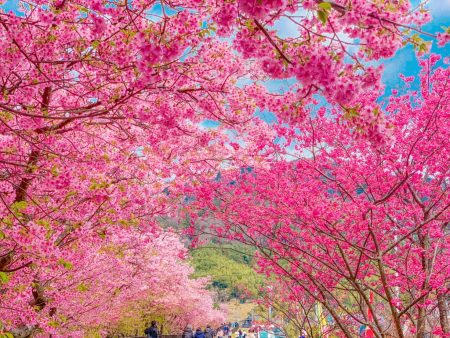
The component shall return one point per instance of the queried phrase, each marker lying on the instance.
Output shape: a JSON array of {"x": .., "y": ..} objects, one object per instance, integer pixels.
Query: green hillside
[{"x": 230, "y": 270}]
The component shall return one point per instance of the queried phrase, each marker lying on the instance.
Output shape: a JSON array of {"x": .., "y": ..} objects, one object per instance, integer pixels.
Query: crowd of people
[
  {"x": 224, "y": 331},
  {"x": 199, "y": 333}
]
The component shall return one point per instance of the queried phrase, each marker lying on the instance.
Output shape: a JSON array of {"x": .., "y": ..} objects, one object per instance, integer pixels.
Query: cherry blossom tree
[
  {"x": 90, "y": 136},
  {"x": 101, "y": 112},
  {"x": 359, "y": 228},
  {"x": 96, "y": 287}
]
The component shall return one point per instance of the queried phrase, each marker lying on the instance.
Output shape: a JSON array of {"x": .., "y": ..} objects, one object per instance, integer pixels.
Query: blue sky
[{"x": 404, "y": 61}]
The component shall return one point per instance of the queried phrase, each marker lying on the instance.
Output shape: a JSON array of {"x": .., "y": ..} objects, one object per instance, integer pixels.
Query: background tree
[
  {"x": 132, "y": 275},
  {"x": 102, "y": 105},
  {"x": 347, "y": 218},
  {"x": 231, "y": 269}
]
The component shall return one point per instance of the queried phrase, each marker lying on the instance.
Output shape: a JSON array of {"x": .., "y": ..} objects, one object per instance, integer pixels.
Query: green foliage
[
  {"x": 351, "y": 113},
  {"x": 325, "y": 5},
  {"x": 4, "y": 334},
  {"x": 66, "y": 264},
  {"x": 139, "y": 317},
  {"x": 324, "y": 12},
  {"x": 95, "y": 44},
  {"x": 230, "y": 268},
  {"x": 18, "y": 208},
  {"x": 418, "y": 43},
  {"x": 4, "y": 278},
  {"x": 82, "y": 287}
]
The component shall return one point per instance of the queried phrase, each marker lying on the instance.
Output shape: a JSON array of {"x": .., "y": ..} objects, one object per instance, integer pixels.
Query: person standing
[
  {"x": 226, "y": 330},
  {"x": 209, "y": 332},
  {"x": 152, "y": 331},
  {"x": 199, "y": 333},
  {"x": 188, "y": 333},
  {"x": 220, "y": 333}
]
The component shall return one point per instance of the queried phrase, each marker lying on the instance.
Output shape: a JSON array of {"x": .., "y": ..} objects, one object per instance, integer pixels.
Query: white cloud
[
  {"x": 440, "y": 8},
  {"x": 287, "y": 28}
]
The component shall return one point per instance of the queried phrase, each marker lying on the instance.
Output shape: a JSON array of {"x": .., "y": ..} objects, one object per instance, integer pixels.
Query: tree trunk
[
  {"x": 443, "y": 313},
  {"x": 24, "y": 331},
  {"x": 421, "y": 323}
]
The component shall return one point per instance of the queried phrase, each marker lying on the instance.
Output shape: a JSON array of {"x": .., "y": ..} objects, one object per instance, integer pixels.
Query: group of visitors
[
  {"x": 199, "y": 333},
  {"x": 223, "y": 331}
]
